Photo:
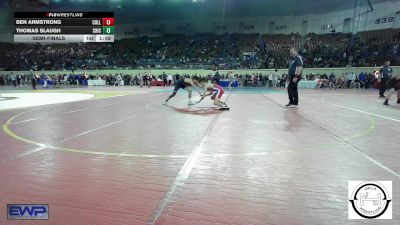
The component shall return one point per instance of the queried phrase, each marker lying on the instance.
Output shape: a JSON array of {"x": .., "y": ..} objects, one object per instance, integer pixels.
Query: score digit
[
  {"x": 108, "y": 30},
  {"x": 108, "y": 21}
]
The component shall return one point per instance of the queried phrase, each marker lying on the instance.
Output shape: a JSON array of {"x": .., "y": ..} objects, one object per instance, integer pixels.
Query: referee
[
  {"x": 33, "y": 79},
  {"x": 295, "y": 69},
  {"x": 385, "y": 74}
]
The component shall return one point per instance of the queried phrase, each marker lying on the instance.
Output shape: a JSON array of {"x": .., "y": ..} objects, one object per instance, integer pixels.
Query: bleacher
[{"x": 208, "y": 51}]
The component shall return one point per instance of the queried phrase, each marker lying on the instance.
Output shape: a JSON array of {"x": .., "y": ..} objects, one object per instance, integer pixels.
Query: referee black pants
[
  {"x": 33, "y": 83},
  {"x": 382, "y": 86},
  {"x": 293, "y": 93}
]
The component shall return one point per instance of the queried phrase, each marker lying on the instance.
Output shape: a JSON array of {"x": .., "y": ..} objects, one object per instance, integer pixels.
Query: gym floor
[{"x": 129, "y": 159}]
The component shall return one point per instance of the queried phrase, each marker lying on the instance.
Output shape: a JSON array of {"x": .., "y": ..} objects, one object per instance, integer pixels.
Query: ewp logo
[{"x": 28, "y": 212}]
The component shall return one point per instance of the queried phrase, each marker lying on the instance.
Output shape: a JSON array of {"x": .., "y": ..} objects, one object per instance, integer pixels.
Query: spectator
[
  {"x": 363, "y": 80},
  {"x": 13, "y": 79},
  {"x": 169, "y": 79},
  {"x": 332, "y": 81},
  {"x": 165, "y": 79},
  {"x": 217, "y": 78},
  {"x": 274, "y": 78}
]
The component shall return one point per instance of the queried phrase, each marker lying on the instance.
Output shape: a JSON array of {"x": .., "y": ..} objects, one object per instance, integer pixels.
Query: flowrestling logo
[
  {"x": 370, "y": 200},
  {"x": 27, "y": 211}
]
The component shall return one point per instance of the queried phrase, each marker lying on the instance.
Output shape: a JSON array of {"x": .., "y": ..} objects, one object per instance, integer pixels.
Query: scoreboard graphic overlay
[{"x": 63, "y": 27}]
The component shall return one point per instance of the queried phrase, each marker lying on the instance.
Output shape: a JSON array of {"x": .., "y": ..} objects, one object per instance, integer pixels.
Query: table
[
  {"x": 225, "y": 83},
  {"x": 307, "y": 84},
  {"x": 96, "y": 82},
  {"x": 157, "y": 83}
]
